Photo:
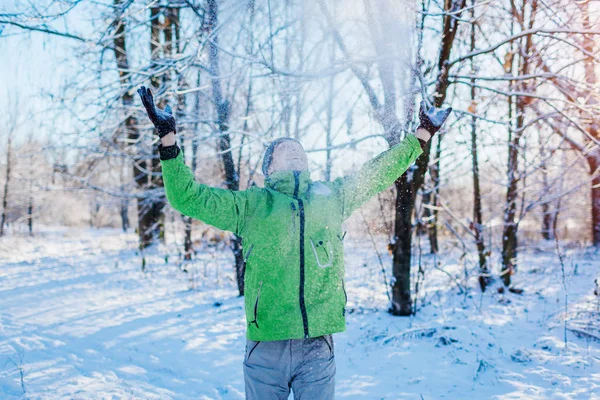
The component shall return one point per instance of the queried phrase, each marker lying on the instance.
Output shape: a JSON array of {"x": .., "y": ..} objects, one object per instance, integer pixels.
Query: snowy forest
[{"x": 475, "y": 274}]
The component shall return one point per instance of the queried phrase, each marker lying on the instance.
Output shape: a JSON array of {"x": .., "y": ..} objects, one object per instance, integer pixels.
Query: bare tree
[
  {"x": 408, "y": 185},
  {"x": 525, "y": 18},
  {"x": 147, "y": 220},
  {"x": 6, "y": 184},
  {"x": 14, "y": 120},
  {"x": 484, "y": 271},
  {"x": 222, "y": 107}
]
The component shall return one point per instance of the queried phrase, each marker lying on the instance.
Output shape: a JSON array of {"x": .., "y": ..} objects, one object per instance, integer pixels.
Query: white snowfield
[{"x": 80, "y": 320}]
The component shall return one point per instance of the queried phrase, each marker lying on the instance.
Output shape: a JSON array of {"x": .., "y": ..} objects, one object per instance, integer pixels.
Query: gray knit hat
[{"x": 268, "y": 158}]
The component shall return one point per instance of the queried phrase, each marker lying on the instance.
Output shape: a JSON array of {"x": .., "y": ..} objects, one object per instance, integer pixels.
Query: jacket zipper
[
  {"x": 345, "y": 297},
  {"x": 255, "y": 322},
  {"x": 301, "y": 293},
  {"x": 248, "y": 252}
]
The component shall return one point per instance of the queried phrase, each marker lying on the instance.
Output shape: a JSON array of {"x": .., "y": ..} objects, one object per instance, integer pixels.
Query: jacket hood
[
  {"x": 268, "y": 157},
  {"x": 294, "y": 183}
]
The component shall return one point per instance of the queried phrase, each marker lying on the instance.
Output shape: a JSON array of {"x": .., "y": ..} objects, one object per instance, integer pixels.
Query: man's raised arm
[
  {"x": 379, "y": 173},
  {"x": 221, "y": 208}
]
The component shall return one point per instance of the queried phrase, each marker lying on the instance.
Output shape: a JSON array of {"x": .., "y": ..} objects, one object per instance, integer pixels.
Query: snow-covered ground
[{"x": 80, "y": 320}]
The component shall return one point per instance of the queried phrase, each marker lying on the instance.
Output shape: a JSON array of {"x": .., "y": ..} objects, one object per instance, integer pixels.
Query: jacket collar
[{"x": 293, "y": 183}]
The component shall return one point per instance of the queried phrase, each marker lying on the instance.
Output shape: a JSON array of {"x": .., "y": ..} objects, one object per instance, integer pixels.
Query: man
[{"x": 295, "y": 296}]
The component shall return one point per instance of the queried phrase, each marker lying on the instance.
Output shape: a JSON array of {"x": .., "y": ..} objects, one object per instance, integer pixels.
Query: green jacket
[{"x": 292, "y": 238}]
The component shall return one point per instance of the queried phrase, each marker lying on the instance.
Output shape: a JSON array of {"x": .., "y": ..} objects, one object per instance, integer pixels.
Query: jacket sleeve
[
  {"x": 375, "y": 175},
  {"x": 222, "y": 208}
]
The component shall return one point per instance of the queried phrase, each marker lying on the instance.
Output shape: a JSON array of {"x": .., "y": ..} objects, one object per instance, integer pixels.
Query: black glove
[
  {"x": 162, "y": 120},
  {"x": 431, "y": 118}
]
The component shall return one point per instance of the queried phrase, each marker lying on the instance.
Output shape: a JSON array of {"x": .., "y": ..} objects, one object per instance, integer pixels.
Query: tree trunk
[
  {"x": 6, "y": 183},
  {"x": 30, "y": 215},
  {"x": 547, "y": 214},
  {"x": 222, "y": 108},
  {"x": 187, "y": 242},
  {"x": 147, "y": 210},
  {"x": 594, "y": 162},
  {"x": 451, "y": 20},
  {"x": 593, "y": 157},
  {"x": 410, "y": 182},
  {"x": 484, "y": 273},
  {"x": 329, "y": 123},
  {"x": 509, "y": 233},
  {"x": 510, "y": 230},
  {"x": 124, "y": 215},
  {"x": 153, "y": 221},
  {"x": 401, "y": 250},
  {"x": 431, "y": 198},
  {"x": 172, "y": 47}
]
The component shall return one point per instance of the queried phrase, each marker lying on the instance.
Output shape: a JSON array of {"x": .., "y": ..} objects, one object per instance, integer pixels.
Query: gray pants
[{"x": 307, "y": 366}]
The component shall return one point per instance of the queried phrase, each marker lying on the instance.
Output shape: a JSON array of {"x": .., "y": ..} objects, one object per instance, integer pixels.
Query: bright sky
[
  {"x": 35, "y": 65},
  {"x": 32, "y": 67}
]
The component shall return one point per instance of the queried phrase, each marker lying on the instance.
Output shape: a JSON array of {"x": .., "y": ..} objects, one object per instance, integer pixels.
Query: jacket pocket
[
  {"x": 255, "y": 320},
  {"x": 323, "y": 252}
]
